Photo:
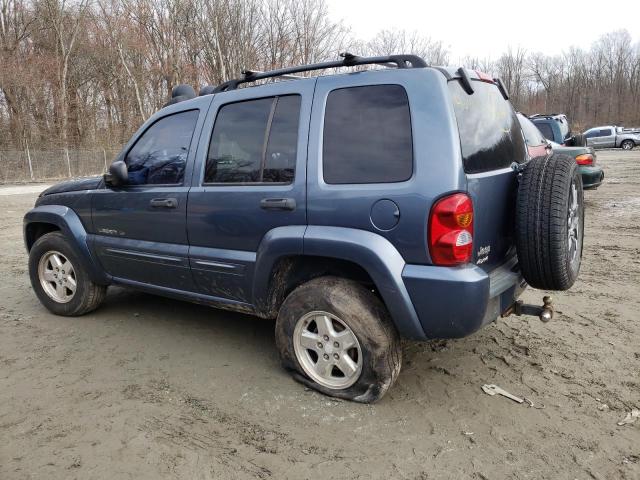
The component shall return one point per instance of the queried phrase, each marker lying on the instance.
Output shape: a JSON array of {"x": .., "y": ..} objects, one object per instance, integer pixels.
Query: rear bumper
[
  {"x": 453, "y": 302},
  {"x": 592, "y": 177}
]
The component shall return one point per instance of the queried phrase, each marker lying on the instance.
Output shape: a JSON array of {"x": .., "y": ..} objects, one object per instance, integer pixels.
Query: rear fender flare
[
  {"x": 380, "y": 259},
  {"x": 375, "y": 254},
  {"x": 278, "y": 243}
]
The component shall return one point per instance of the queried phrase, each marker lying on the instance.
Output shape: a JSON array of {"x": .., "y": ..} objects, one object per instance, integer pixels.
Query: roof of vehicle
[
  {"x": 603, "y": 126},
  {"x": 348, "y": 60},
  {"x": 183, "y": 93}
]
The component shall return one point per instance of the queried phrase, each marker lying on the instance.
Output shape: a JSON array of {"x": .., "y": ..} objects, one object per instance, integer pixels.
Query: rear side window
[
  {"x": 282, "y": 148},
  {"x": 160, "y": 154},
  {"x": 367, "y": 135},
  {"x": 605, "y": 133},
  {"x": 546, "y": 130},
  {"x": 490, "y": 136},
  {"x": 255, "y": 142}
]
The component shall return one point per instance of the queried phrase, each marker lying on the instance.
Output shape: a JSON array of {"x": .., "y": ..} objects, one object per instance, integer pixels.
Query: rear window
[
  {"x": 490, "y": 136},
  {"x": 367, "y": 135},
  {"x": 546, "y": 130}
]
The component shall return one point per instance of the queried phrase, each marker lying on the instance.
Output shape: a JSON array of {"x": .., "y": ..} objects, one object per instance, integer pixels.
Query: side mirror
[{"x": 118, "y": 174}]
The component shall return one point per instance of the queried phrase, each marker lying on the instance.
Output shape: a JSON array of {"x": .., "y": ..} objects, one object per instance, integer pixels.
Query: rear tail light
[
  {"x": 585, "y": 159},
  {"x": 451, "y": 230}
]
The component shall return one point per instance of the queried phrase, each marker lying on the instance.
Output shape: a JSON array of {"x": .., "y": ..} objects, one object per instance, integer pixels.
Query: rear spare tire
[{"x": 550, "y": 222}]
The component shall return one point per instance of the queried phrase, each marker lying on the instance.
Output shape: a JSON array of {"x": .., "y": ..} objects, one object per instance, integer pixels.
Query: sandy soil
[
  {"x": 147, "y": 387},
  {"x": 22, "y": 189}
]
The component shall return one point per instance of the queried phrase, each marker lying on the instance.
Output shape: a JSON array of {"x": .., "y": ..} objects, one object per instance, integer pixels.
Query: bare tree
[
  {"x": 65, "y": 21},
  {"x": 510, "y": 67},
  {"x": 82, "y": 73},
  {"x": 388, "y": 42}
]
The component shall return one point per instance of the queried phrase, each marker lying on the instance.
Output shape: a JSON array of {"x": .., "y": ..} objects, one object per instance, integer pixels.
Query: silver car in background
[{"x": 612, "y": 136}]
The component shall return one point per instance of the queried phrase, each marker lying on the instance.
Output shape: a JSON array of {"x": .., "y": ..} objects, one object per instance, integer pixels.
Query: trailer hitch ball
[
  {"x": 547, "y": 309},
  {"x": 544, "y": 313}
]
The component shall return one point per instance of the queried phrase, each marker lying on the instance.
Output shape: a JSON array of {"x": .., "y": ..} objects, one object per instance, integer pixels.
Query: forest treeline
[{"x": 87, "y": 73}]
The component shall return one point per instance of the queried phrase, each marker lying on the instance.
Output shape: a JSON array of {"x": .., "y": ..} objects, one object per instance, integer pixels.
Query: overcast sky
[{"x": 485, "y": 28}]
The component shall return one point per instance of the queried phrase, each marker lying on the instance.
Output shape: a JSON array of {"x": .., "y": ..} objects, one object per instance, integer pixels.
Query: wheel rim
[
  {"x": 57, "y": 276},
  {"x": 626, "y": 146},
  {"x": 327, "y": 349},
  {"x": 573, "y": 224}
]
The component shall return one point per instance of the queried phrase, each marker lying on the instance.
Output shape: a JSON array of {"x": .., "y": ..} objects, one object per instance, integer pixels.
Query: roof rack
[{"x": 348, "y": 60}]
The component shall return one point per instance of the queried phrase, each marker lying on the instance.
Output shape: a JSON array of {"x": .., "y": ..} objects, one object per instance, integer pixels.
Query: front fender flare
[{"x": 72, "y": 228}]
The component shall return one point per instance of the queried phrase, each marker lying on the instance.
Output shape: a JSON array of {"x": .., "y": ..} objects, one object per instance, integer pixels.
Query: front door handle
[
  {"x": 278, "y": 204},
  {"x": 164, "y": 202}
]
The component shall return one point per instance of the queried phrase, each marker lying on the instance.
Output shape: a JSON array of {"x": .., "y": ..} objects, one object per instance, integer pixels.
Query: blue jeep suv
[{"x": 354, "y": 208}]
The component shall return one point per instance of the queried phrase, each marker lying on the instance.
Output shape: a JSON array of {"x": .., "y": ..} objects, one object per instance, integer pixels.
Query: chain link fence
[{"x": 18, "y": 166}]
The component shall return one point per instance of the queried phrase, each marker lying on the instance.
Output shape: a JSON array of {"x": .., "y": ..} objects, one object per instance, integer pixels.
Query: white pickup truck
[{"x": 611, "y": 136}]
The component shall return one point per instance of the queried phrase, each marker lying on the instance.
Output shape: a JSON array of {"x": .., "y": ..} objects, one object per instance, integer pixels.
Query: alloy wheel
[
  {"x": 573, "y": 224},
  {"x": 327, "y": 350},
  {"x": 57, "y": 276}
]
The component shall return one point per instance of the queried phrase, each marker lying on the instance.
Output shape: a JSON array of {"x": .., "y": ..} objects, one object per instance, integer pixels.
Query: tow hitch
[{"x": 544, "y": 313}]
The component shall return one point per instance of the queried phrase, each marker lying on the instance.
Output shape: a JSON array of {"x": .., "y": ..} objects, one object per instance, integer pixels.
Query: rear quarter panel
[{"x": 437, "y": 167}]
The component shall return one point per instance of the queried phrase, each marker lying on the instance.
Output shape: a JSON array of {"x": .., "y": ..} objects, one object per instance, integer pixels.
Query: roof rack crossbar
[
  {"x": 348, "y": 60},
  {"x": 258, "y": 72}
]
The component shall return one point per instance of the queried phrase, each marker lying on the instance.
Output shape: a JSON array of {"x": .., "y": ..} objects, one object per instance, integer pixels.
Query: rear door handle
[
  {"x": 164, "y": 202},
  {"x": 278, "y": 204}
]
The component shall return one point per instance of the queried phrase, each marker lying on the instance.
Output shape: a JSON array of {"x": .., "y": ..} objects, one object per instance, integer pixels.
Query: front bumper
[
  {"x": 592, "y": 176},
  {"x": 453, "y": 302}
]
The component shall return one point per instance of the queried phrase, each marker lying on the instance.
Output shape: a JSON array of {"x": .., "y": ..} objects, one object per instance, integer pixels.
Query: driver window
[
  {"x": 160, "y": 154},
  {"x": 254, "y": 141}
]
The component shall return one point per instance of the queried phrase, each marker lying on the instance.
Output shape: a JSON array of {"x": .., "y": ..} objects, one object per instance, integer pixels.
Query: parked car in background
[
  {"x": 592, "y": 174},
  {"x": 585, "y": 157},
  {"x": 611, "y": 136},
  {"x": 555, "y": 127}
]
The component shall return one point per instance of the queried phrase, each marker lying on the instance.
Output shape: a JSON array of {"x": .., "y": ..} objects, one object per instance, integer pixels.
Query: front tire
[
  {"x": 336, "y": 337},
  {"x": 57, "y": 276}
]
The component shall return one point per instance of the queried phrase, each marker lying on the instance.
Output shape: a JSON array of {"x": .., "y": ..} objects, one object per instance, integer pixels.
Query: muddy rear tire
[
  {"x": 550, "y": 222},
  {"x": 311, "y": 326}
]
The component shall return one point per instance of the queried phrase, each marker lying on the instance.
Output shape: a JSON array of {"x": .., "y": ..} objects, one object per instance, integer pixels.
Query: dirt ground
[{"x": 148, "y": 387}]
